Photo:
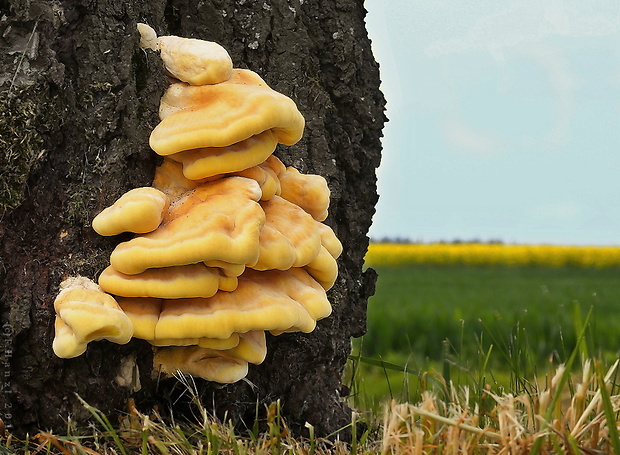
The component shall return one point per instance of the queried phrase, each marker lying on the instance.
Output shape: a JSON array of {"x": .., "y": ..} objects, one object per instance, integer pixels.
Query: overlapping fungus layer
[{"x": 230, "y": 243}]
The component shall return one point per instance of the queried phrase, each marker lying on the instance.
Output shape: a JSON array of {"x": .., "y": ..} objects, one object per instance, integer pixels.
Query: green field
[{"x": 495, "y": 325}]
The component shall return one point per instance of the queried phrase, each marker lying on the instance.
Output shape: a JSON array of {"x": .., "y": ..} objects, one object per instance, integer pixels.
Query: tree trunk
[{"x": 79, "y": 100}]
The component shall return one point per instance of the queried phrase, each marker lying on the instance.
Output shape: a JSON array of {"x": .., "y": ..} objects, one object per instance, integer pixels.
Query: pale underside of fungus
[{"x": 229, "y": 242}]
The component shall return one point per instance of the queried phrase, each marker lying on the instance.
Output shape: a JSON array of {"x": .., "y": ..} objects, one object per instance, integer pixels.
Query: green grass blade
[
  {"x": 445, "y": 360},
  {"x": 562, "y": 382},
  {"x": 312, "y": 438},
  {"x": 145, "y": 441},
  {"x": 105, "y": 423},
  {"x": 485, "y": 364},
  {"x": 385, "y": 365},
  {"x": 608, "y": 407},
  {"x": 163, "y": 449},
  {"x": 579, "y": 327},
  {"x": 353, "y": 446},
  {"x": 572, "y": 443}
]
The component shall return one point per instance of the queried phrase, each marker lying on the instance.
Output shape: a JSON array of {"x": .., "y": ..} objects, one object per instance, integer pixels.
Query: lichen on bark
[{"x": 25, "y": 117}]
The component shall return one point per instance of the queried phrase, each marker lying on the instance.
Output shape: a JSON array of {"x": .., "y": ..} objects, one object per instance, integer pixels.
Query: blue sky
[{"x": 504, "y": 120}]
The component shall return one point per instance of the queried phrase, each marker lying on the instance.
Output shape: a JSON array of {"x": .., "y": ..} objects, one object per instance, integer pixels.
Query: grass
[
  {"x": 481, "y": 324},
  {"x": 565, "y": 415},
  {"x": 516, "y": 360},
  {"x": 416, "y": 308}
]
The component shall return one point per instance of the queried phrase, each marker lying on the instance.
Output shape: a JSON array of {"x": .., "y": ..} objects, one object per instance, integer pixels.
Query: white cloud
[
  {"x": 525, "y": 21},
  {"x": 563, "y": 82},
  {"x": 556, "y": 212},
  {"x": 464, "y": 137}
]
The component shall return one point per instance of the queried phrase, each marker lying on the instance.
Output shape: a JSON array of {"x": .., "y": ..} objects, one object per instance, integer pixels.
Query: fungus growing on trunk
[
  {"x": 206, "y": 162},
  {"x": 223, "y": 114},
  {"x": 139, "y": 210},
  {"x": 308, "y": 191},
  {"x": 289, "y": 238},
  {"x": 195, "y": 61},
  {"x": 219, "y": 220},
  {"x": 85, "y": 313},
  {"x": 283, "y": 301},
  {"x": 229, "y": 243},
  {"x": 192, "y": 280}
]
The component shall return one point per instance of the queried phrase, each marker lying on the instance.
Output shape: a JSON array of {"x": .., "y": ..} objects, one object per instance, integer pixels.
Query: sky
[{"x": 504, "y": 120}]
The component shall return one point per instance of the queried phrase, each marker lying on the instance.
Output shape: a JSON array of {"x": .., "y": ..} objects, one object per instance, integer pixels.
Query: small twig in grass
[
  {"x": 61, "y": 444},
  {"x": 48, "y": 438},
  {"x": 463, "y": 426}
]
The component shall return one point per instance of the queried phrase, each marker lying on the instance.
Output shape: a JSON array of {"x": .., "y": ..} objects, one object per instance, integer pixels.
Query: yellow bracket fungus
[
  {"x": 211, "y": 343},
  {"x": 228, "y": 269},
  {"x": 324, "y": 267},
  {"x": 289, "y": 238},
  {"x": 229, "y": 242},
  {"x": 85, "y": 313},
  {"x": 219, "y": 365},
  {"x": 308, "y": 191},
  {"x": 139, "y": 210},
  {"x": 195, "y": 61},
  {"x": 222, "y": 114},
  {"x": 193, "y": 280},
  {"x": 219, "y": 220},
  {"x": 267, "y": 176},
  {"x": 169, "y": 179},
  {"x": 206, "y": 162},
  {"x": 209, "y": 364},
  {"x": 252, "y": 347},
  {"x": 273, "y": 300}
]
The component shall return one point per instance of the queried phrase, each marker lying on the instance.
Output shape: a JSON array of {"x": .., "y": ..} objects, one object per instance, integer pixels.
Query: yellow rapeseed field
[{"x": 394, "y": 254}]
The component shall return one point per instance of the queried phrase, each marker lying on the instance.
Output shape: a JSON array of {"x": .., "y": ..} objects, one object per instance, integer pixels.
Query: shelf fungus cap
[
  {"x": 329, "y": 240},
  {"x": 309, "y": 191},
  {"x": 195, "y": 61},
  {"x": 218, "y": 365},
  {"x": 228, "y": 269},
  {"x": 139, "y": 210},
  {"x": 206, "y": 162},
  {"x": 218, "y": 221},
  {"x": 223, "y": 114},
  {"x": 194, "y": 280},
  {"x": 324, "y": 267},
  {"x": 283, "y": 301},
  {"x": 148, "y": 36},
  {"x": 210, "y": 343},
  {"x": 267, "y": 175},
  {"x": 288, "y": 301},
  {"x": 170, "y": 180},
  {"x": 85, "y": 313},
  {"x": 209, "y": 364},
  {"x": 144, "y": 314},
  {"x": 252, "y": 347},
  {"x": 289, "y": 238}
]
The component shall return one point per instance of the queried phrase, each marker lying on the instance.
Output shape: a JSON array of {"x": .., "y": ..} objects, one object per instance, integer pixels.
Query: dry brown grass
[{"x": 566, "y": 415}]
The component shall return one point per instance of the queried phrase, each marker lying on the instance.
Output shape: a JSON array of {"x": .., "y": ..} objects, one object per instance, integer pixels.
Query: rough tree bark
[{"x": 78, "y": 101}]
